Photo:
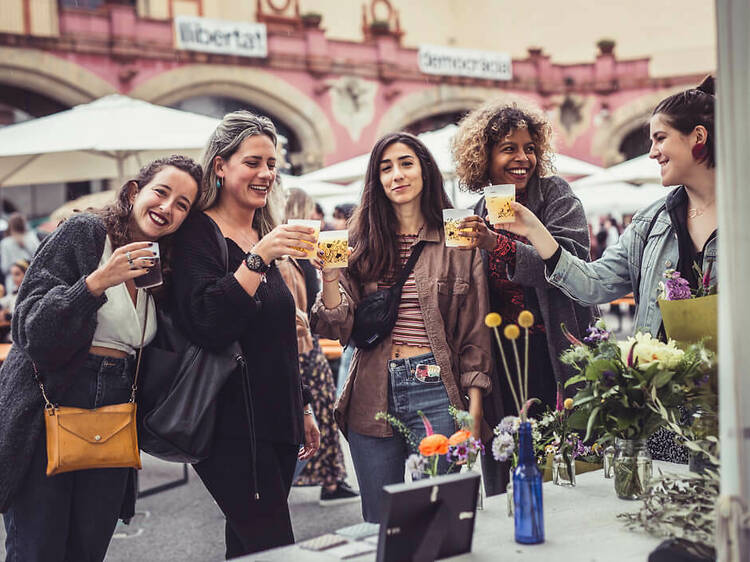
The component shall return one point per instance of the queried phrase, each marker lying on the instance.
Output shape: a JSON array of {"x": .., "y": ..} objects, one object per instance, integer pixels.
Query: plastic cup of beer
[
  {"x": 451, "y": 220},
  {"x": 335, "y": 246},
  {"x": 497, "y": 198},
  {"x": 309, "y": 249}
]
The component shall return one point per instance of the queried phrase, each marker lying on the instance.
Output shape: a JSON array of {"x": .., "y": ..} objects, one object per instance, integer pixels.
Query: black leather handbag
[
  {"x": 180, "y": 385},
  {"x": 376, "y": 314}
]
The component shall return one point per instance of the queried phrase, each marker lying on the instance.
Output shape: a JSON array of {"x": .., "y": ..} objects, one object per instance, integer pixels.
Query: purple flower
[
  {"x": 596, "y": 335},
  {"x": 608, "y": 378},
  {"x": 675, "y": 287}
]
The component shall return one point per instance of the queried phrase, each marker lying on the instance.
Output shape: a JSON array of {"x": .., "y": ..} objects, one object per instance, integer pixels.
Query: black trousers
[{"x": 252, "y": 525}]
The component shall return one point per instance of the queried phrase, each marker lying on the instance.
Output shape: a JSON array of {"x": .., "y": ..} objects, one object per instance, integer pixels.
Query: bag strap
[
  {"x": 49, "y": 406},
  {"x": 637, "y": 288},
  {"x": 409, "y": 265}
]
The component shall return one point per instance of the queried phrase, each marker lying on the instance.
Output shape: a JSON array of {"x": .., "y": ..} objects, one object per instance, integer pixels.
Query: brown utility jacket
[{"x": 452, "y": 288}]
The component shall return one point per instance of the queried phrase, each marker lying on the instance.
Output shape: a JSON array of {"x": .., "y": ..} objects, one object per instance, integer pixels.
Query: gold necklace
[
  {"x": 695, "y": 212},
  {"x": 245, "y": 238}
]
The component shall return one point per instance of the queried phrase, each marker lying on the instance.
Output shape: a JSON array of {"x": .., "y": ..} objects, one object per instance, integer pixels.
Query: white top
[{"x": 118, "y": 322}]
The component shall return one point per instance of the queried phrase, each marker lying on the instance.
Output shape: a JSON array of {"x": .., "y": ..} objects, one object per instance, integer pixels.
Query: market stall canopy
[
  {"x": 438, "y": 142},
  {"x": 641, "y": 169},
  {"x": 111, "y": 137}
]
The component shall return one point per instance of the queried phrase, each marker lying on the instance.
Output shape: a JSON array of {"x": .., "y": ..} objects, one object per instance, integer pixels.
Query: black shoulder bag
[
  {"x": 180, "y": 384},
  {"x": 376, "y": 314}
]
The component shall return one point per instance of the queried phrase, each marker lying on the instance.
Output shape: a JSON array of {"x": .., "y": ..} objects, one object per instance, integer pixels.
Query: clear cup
[
  {"x": 153, "y": 277},
  {"x": 335, "y": 246},
  {"x": 308, "y": 249},
  {"x": 451, "y": 220},
  {"x": 497, "y": 198}
]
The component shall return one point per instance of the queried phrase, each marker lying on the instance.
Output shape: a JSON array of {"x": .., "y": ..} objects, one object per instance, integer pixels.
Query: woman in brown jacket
[{"x": 440, "y": 317}]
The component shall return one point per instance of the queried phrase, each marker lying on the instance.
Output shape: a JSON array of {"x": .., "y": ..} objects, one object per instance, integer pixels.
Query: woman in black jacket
[{"x": 257, "y": 437}]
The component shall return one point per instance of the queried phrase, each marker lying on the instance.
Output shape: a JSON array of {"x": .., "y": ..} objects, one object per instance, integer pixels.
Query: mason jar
[{"x": 632, "y": 468}]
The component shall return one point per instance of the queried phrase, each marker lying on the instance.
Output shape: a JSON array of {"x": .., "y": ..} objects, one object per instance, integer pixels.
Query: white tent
[
  {"x": 641, "y": 169},
  {"x": 109, "y": 138},
  {"x": 618, "y": 198},
  {"x": 438, "y": 142}
]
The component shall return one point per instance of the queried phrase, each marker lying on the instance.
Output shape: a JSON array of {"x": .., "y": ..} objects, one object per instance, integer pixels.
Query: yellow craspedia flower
[
  {"x": 512, "y": 332},
  {"x": 568, "y": 404},
  {"x": 493, "y": 320},
  {"x": 526, "y": 319}
]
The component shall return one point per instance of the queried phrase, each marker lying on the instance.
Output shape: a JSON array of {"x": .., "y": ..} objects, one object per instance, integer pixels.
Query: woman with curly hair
[{"x": 501, "y": 143}]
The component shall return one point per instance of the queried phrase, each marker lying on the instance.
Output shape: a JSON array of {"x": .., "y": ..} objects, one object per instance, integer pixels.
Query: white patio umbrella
[
  {"x": 109, "y": 138},
  {"x": 618, "y": 198},
  {"x": 641, "y": 169},
  {"x": 439, "y": 144}
]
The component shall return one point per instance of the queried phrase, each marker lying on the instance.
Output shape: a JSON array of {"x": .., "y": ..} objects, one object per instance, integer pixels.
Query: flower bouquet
[
  {"x": 689, "y": 316},
  {"x": 621, "y": 382}
]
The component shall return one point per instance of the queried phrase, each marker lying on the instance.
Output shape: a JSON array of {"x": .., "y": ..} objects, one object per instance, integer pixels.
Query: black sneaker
[{"x": 342, "y": 494}]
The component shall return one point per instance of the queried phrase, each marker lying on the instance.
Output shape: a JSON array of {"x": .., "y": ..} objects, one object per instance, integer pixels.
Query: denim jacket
[{"x": 618, "y": 271}]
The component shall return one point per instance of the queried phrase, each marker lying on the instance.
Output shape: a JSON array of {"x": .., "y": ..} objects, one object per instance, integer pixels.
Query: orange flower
[
  {"x": 434, "y": 444},
  {"x": 459, "y": 437}
]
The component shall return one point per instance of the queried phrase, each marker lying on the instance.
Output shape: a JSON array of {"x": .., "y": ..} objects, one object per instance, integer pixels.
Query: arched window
[{"x": 635, "y": 143}]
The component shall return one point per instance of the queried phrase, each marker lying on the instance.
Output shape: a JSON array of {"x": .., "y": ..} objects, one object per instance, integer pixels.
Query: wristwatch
[{"x": 255, "y": 263}]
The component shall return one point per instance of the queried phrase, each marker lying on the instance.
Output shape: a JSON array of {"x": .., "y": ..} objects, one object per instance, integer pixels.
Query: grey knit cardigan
[{"x": 53, "y": 324}]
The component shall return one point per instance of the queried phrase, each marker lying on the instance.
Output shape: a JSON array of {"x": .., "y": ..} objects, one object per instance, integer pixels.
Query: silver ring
[{"x": 130, "y": 259}]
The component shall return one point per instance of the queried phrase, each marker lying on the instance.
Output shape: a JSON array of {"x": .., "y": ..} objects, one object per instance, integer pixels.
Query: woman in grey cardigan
[{"x": 79, "y": 318}]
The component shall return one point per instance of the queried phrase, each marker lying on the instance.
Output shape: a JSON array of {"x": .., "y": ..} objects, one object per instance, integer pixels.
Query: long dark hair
[
  {"x": 686, "y": 110},
  {"x": 117, "y": 216},
  {"x": 373, "y": 226}
]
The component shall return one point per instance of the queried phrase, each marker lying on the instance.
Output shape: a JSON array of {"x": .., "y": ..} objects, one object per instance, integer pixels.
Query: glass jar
[
  {"x": 632, "y": 468},
  {"x": 509, "y": 494},
  {"x": 563, "y": 473},
  {"x": 527, "y": 492},
  {"x": 608, "y": 458}
]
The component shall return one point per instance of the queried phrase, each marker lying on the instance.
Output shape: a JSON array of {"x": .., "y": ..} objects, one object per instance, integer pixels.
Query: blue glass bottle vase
[{"x": 527, "y": 492}]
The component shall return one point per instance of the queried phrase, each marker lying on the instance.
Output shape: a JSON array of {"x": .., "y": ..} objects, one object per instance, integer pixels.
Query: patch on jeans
[{"x": 427, "y": 373}]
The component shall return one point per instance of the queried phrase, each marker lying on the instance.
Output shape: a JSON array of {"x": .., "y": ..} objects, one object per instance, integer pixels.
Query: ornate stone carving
[{"x": 353, "y": 103}]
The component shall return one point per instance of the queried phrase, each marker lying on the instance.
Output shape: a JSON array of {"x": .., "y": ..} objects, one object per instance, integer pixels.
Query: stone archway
[
  {"x": 624, "y": 120},
  {"x": 440, "y": 99},
  {"x": 259, "y": 88},
  {"x": 57, "y": 78}
]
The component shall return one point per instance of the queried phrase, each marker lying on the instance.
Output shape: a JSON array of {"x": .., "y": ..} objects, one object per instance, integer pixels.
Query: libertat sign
[
  {"x": 220, "y": 36},
  {"x": 450, "y": 61}
]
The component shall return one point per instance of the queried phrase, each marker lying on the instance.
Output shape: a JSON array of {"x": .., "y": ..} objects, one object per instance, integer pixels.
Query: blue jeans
[
  {"x": 379, "y": 461},
  {"x": 71, "y": 516}
]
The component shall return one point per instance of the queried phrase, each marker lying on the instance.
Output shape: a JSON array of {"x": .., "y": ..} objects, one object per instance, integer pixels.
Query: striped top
[{"x": 409, "y": 328}]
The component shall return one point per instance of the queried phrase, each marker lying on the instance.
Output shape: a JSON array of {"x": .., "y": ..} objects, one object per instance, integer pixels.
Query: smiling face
[
  {"x": 401, "y": 174},
  {"x": 249, "y": 173},
  {"x": 513, "y": 160},
  {"x": 162, "y": 204},
  {"x": 673, "y": 150}
]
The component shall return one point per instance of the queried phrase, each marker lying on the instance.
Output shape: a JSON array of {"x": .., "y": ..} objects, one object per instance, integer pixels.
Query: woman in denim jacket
[
  {"x": 440, "y": 317},
  {"x": 674, "y": 233}
]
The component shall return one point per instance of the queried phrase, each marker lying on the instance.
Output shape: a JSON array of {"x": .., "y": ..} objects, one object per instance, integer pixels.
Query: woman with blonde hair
[
  {"x": 501, "y": 143},
  {"x": 262, "y": 418},
  {"x": 327, "y": 468}
]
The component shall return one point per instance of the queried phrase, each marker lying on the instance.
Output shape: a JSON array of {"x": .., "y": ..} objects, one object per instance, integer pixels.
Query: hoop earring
[
  {"x": 700, "y": 151},
  {"x": 219, "y": 183}
]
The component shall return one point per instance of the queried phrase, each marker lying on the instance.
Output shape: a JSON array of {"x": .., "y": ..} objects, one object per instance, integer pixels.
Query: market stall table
[{"x": 580, "y": 524}]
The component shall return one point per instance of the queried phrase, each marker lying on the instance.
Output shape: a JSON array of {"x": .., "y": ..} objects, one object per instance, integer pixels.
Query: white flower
[
  {"x": 415, "y": 465},
  {"x": 503, "y": 446},
  {"x": 649, "y": 349}
]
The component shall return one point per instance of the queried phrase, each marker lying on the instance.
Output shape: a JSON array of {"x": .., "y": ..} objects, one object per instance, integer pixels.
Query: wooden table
[{"x": 580, "y": 524}]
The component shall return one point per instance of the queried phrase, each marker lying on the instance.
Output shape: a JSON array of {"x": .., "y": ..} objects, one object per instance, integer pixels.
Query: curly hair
[{"x": 490, "y": 124}]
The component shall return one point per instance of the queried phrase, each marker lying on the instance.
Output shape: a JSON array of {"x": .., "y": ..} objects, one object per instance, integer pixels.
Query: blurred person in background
[
  {"x": 19, "y": 244},
  {"x": 319, "y": 214},
  {"x": 326, "y": 468},
  {"x": 8, "y": 302},
  {"x": 341, "y": 215}
]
